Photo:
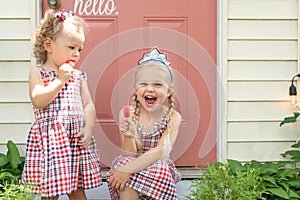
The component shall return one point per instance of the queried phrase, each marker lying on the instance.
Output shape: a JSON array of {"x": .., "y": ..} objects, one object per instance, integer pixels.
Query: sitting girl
[{"x": 147, "y": 133}]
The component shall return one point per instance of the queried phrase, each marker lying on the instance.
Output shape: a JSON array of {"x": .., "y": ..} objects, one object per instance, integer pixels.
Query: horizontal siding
[
  {"x": 16, "y": 9},
  {"x": 15, "y": 29},
  {"x": 14, "y": 92},
  {"x": 260, "y": 151},
  {"x": 262, "y": 9},
  {"x": 15, "y": 50},
  {"x": 258, "y": 91},
  {"x": 260, "y": 131},
  {"x": 258, "y": 111},
  {"x": 261, "y": 58},
  {"x": 16, "y": 113},
  {"x": 262, "y": 29},
  {"x": 16, "y": 132},
  {"x": 14, "y": 71},
  {"x": 17, "y": 21},
  {"x": 262, "y": 50},
  {"x": 261, "y": 70}
]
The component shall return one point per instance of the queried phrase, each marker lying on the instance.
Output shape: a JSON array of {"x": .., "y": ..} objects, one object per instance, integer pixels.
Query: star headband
[{"x": 155, "y": 55}]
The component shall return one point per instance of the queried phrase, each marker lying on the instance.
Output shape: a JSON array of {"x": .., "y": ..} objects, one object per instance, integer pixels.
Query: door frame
[{"x": 221, "y": 87}]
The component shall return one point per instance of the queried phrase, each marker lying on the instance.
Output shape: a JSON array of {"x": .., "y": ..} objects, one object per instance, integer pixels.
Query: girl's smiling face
[{"x": 152, "y": 85}]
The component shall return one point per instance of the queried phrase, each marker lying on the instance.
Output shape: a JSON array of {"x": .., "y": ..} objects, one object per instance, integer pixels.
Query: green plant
[
  {"x": 291, "y": 119},
  {"x": 255, "y": 180},
  {"x": 280, "y": 179},
  {"x": 227, "y": 181},
  {"x": 16, "y": 191},
  {"x": 234, "y": 180},
  {"x": 11, "y": 165}
]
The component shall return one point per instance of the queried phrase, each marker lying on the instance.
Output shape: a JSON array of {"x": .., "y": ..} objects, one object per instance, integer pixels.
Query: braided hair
[{"x": 171, "y": 107}]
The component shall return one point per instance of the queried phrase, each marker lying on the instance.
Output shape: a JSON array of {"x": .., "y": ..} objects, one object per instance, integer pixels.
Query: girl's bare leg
[
  {"x": 77, "y": 195},
  {"x": 129, "y": 194}
]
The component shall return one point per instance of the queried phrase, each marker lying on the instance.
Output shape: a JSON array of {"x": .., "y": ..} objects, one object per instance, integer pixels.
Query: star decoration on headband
[{"x": 155, "y": 55}]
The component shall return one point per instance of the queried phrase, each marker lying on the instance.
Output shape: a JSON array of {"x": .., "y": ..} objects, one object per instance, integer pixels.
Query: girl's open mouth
[{"x": 150, "y": 100}]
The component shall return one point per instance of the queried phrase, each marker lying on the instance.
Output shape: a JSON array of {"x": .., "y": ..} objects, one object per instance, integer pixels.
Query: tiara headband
[{"x": 155, "y": 55}]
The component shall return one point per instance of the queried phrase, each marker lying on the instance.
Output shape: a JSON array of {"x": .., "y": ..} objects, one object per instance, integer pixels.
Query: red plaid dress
[
  {"x": 156, "y": 181},
  {"x": 55, "y": 164}
]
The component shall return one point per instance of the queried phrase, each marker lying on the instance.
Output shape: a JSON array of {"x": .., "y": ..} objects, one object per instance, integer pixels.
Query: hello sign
[{"x": 94, "y": 7}]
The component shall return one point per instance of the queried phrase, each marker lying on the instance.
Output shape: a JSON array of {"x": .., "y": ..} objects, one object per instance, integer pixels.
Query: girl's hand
[
  {"x": 128, "y": 128},
  {"x": 65, "y": 71},
  {"x": 119, "y": 178},
  {"x": 85, "y": 137}
]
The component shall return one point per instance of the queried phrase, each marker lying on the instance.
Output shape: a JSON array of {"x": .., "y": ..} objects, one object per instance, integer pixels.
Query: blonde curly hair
[{"x": 50, "y": 26}]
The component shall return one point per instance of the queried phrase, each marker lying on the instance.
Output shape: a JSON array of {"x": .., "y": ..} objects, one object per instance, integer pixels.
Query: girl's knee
[
  {"x": 129, "y": 194},
  {"x": 79, "y": 194}
]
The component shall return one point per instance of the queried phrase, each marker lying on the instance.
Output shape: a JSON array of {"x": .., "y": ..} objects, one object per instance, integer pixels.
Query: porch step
[{"x": 102, "y": 192}]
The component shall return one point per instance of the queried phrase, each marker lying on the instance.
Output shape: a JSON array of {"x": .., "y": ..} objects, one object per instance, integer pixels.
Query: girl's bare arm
[
  {"x": 153, "y": 154},
  {"x": 89, "y": 115},
  {"x": 41, "y": 95},
  {"x": 88, "y": 106}
]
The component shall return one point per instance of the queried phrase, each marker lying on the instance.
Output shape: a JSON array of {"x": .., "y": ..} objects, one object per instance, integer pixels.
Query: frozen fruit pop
[
  {"x": 71, "y": 62},
  {"x": 126, "y": 111}
]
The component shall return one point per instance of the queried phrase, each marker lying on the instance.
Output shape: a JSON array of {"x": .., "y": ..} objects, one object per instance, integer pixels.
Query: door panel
[{"x": 118, "y": 33}]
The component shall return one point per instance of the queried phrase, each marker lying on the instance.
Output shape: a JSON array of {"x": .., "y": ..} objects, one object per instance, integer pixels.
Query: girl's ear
[
  {"x": 170, "y": 90},
  {"x": 48, "y": 44}
]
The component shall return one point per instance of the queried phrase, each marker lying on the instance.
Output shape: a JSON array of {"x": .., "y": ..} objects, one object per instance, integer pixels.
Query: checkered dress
[
  {"x": 55, "y": 164},
  {"x": 156, "y": 181}
]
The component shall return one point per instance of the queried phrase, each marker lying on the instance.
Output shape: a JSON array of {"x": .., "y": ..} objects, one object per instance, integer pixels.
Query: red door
[{"x": 118, "y": 33}]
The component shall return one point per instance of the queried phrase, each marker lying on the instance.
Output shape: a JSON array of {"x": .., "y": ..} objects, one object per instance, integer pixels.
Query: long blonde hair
[{"x": 171, "y": 108}]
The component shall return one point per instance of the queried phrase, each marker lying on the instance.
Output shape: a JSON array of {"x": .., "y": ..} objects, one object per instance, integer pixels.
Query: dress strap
[{"x": 158, "y": 127}]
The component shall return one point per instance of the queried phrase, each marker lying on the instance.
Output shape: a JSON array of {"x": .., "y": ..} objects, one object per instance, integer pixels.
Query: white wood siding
[
  {"x": 17, "y": 21},
  {"x": 261, "y": 57}
]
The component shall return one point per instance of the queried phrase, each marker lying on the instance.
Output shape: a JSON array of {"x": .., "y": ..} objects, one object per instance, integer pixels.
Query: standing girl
[
  {"x": 144, "y": 169},
  {"x": 61, "y": 155}
]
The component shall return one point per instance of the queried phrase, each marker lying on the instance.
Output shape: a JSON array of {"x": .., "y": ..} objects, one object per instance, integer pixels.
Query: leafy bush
[
  {"x": 227, "y": 181},
  {"x": 16, "y": 191},
  {"x": 11, "y": 167},
  {"x": 269, "y": 180},
  {"x": 281, "y": 178},
  {"x": 234, "y": 180}
]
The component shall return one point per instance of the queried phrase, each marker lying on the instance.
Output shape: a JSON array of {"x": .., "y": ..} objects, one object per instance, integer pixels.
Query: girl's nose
[
  {"x": 150, "y": 87},
  {"x": 76, "y": 53}
]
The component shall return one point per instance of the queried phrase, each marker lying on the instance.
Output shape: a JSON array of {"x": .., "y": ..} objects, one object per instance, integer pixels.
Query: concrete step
[{"x": 102, "y": 192}]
